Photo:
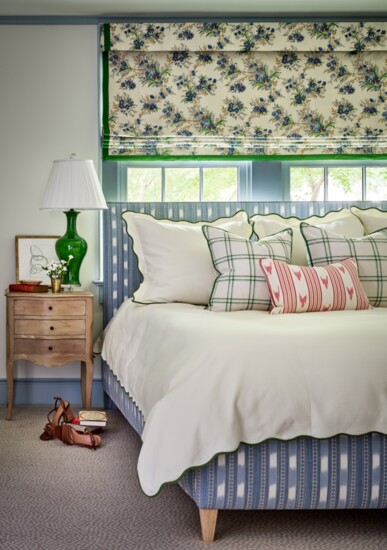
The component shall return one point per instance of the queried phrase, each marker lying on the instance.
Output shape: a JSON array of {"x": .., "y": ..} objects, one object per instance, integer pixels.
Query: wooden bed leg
[{"x": 208, "y": 519}]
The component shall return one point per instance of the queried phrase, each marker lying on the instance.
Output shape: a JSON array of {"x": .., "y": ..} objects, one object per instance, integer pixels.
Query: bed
[{"x": 309, "y": 432}]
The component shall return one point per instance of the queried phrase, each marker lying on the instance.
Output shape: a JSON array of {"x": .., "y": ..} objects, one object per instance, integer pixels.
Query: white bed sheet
[{"x": 206, "y": 381}]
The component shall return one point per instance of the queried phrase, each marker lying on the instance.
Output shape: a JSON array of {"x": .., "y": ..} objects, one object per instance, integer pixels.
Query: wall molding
[{"x": 40, "y": 391}]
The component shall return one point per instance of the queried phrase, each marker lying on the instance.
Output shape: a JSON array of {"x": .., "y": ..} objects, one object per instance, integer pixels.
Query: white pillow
[
  {"x": 173, "y": 257},
  {"x": 341, "y": 222},
  {"x": 372, "y": 219}
]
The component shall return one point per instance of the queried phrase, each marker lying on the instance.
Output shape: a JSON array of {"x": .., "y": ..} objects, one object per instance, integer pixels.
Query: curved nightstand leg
[{"x": 86, "y": 382}]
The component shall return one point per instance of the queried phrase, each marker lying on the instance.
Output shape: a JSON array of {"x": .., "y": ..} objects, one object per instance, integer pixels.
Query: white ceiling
[{"x": 173, "y": 8}]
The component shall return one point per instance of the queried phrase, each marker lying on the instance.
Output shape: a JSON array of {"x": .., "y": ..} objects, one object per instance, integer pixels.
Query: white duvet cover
[{"x": 206, "y": 381}]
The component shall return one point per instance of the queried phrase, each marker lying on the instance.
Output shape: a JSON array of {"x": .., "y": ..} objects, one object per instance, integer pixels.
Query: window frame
[
  {"x": 244, "y": 174},
  {"x": 326, "y": 164},
  {"x": 258, "y": 180}
]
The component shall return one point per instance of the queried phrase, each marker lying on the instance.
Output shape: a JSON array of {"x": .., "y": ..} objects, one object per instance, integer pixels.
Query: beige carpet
[{"x": 57, "y": 497}]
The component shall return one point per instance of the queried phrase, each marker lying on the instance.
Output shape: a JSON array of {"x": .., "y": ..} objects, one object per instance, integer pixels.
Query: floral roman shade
[{"x": 244, "y": 89}]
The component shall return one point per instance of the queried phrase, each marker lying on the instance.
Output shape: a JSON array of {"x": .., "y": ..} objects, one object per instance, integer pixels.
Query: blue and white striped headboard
[{"x": 121, "y": 275}]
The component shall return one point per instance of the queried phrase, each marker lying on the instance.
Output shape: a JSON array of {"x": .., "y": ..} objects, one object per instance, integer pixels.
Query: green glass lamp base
[{"x": 71, "y": 244}]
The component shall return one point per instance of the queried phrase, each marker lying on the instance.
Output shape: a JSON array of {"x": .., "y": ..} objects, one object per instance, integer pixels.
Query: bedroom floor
[{"x": 58, "y": 497}]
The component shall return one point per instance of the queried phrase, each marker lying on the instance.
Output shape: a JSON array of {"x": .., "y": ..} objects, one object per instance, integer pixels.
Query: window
[
  {"x": 306, "y": 183},
  {"x": 376, "y": 183},
  {"x": 334, "y": 181},
  {"x": 155, "y": 181},
  {"x": 189, "y": 181}
]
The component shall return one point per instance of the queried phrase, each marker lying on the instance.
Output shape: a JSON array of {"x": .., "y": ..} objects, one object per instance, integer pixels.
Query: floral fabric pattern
[{"x": 214, "y": 89}]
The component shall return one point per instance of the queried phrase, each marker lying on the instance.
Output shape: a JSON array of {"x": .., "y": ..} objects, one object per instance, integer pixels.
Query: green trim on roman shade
[
  {"x": 262, "y": 91},
  {"x": 105, "y": 43},
  {"x": 261, "y": 158}
]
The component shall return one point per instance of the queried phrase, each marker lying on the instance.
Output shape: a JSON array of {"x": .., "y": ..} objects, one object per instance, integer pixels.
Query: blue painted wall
[{"x": 40, "y": 391}]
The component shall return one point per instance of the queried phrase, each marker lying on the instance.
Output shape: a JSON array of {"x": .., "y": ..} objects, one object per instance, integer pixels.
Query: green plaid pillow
[
  {"x": 370, "y": 252},
  {"x": 241, "y": 283}
]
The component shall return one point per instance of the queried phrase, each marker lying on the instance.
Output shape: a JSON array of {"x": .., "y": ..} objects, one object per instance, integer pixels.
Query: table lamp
[{"x": 73, "y": 185}]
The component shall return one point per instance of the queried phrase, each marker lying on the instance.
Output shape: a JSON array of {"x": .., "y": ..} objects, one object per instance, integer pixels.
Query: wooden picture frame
[{"x": 33, "y": 252}]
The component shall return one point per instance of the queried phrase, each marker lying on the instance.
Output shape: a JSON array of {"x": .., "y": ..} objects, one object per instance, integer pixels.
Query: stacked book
[
  {"x": 92, "y": 420},
  {"x": 28, "y": 286}
]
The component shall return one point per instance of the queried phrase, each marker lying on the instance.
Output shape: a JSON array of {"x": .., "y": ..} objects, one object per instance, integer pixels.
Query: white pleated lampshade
[{"x": 73, "y": 184}]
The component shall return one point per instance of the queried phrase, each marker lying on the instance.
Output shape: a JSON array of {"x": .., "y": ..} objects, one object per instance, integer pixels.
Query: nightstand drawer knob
[
  {"x": 50, "y": 308},
  {"x": 51, "y": 328},
  {"x": 49, "y": 348}
]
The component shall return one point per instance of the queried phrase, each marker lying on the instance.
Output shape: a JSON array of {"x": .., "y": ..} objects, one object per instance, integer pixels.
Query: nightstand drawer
[
  {"x": 50, "y": 307},
  {"x": 50, "y": 327},
  {"x": 44, "y": 347}
]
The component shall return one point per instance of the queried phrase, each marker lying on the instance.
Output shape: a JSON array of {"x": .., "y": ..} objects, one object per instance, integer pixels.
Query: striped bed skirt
[{"x": 305, "y": 473}]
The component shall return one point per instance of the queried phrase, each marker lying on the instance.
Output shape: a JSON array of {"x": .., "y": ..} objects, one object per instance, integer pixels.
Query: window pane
[
  {"x": 306, "y": 184},
  {"x": 345, "y": 184},
  {"x": 144, "y": 184},
  {"x": 182, "y": 184},
  {"x": 376, "y": 183},
  {"x": 220, "y": 184}
]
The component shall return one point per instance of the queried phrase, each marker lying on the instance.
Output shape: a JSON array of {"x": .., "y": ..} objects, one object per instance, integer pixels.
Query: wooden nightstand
[{"x": 50, "y": 329}]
